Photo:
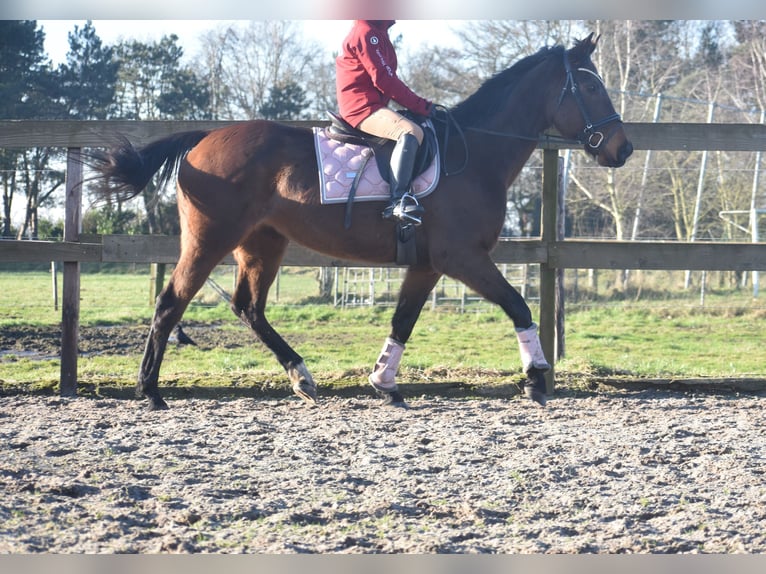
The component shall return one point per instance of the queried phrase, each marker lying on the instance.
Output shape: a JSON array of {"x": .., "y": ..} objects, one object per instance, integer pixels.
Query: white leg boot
[{"x": 383, "y": 377}]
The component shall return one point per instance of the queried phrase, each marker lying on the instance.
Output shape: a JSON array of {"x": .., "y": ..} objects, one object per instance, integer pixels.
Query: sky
[
  {"x": 329, "y": 33},
  {"x": 399, "y": 9},
  {"x": 428, "y": 21}
]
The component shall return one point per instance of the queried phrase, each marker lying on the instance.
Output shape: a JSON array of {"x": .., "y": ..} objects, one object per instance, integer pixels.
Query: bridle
[{"x": 590, "y": 135}]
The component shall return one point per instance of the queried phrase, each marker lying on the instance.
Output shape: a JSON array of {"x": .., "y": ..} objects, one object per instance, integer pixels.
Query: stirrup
[{"x": 407, "y": 209}]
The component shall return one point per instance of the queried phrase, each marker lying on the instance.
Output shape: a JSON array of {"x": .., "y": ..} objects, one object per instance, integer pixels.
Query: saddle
[
  {"x": 381, "y": 149},
  {"x": 340, "y": 130}
]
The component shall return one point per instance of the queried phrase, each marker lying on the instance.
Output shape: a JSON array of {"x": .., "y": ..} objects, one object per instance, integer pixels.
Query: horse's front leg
[
  {"x": 416, "y": 287},
  {"x": 479, "y": 272}
]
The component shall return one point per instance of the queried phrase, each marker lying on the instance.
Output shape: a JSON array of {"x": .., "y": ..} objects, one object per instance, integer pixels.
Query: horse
[{"x": 252, "y": 187}]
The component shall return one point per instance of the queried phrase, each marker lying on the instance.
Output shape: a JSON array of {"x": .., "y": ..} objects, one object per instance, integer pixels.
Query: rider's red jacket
[{"x": 366, "y": 77}]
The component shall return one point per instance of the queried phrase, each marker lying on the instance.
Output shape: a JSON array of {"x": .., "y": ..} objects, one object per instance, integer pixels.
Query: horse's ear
[{"x": 585, "y": 47}]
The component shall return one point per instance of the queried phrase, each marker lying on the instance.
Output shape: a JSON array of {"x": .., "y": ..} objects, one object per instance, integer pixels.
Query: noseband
[{"x": 590, "y": 135}]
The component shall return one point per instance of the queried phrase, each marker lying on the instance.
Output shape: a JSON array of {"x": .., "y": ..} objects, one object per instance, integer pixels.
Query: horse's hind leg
[
  {"x": 413, "y": 295},
  {"x": 193, "y": 267},
  {"x": 259, "y": 258}
]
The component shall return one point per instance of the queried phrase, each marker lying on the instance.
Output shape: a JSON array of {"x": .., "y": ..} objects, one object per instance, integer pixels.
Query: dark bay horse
[{"x": 252, "y": 187}]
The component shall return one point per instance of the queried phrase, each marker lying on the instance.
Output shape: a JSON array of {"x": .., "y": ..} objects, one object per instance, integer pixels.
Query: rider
[{"x": 366, "y": 82}]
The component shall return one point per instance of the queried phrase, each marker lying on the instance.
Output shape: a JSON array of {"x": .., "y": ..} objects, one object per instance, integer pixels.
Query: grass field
[{"x": 670, "y": 335}]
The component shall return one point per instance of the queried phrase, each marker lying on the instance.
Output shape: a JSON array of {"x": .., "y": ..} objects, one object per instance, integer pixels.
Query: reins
[
  {"x": 450, "y": 121},
  {"x": 543, "y": 138}
]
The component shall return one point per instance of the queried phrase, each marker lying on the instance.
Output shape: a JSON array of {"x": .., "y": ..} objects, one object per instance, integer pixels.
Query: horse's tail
[{"x": 125, "y": 170}]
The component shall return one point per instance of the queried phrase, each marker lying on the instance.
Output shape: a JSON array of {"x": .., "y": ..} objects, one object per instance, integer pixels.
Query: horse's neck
[
  {"x": 522, "y": 121},
  {"x": 527, "y": 109},
  {"x": 514, "y": 139}
]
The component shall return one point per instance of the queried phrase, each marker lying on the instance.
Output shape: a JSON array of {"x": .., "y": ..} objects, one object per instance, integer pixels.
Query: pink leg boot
[
  {"x": 531, "y": 350},
  {"x": 534, "y": 363},
  {"x": 383, "y": 377}
]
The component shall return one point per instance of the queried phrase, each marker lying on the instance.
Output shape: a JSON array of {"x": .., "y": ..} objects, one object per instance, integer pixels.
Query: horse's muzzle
[
  {"x": 615, "y": 150},
  {"x": 620, "y": 157}
]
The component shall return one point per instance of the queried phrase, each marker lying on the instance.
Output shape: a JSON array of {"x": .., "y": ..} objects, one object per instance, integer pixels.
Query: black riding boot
[{"x": 404, "y": 206}]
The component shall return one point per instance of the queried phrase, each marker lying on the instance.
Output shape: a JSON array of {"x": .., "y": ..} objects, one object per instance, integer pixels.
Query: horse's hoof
[
  {"x": 393, "y": 399},
  {"x": 306, "y": 392},
  {"x": 303, "y": 384},
  {"x": 532, "y": 393},
  {"x": 157, "y": 404},
  {"x": 535, "y": 388}
]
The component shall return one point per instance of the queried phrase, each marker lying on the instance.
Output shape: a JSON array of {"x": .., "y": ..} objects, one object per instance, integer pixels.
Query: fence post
[
  {"x": 548, "y": 273},
  {"x": 156, "y": 282},
  {"x": 70, "y": 299},
  {"x": 561, "y": 178},
  {"x": 55, "y": 285},
  {"x": 700, "y": 189},
  {"x": 753, "y": 214}
]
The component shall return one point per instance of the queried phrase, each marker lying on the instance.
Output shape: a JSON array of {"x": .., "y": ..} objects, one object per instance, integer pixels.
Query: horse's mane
[{"x": 493, "y": 94}]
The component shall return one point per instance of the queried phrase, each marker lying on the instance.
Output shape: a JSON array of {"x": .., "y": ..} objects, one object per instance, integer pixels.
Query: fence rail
[
  {"x": 551, "y": 253},
  {"x": 99, "y": 133},
  {"x": 567, "y": 254}
]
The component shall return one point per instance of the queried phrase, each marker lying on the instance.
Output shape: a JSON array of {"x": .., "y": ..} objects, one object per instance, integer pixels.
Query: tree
[
  {"x": 747, "y": 85},
  {"x": 214, "y": 47},
  {"x": 321, "y": 90},
  {"x": 89, "y": 75},
  {"x": 187, "y": 97},
  {"x": 633, "y": 56},
  {"x": 710, "y": 53},
  {"x": 22, "y": 68},
  {"x": 28, "y": 89},
  {"x": 8, "y": 178},
  {"x": 153, "y": 83},
  {"x": 39, "y": 183},
  {"x": 284, "y": 103},
  {"x": 82, "y": 88},
  {"x": 248, "y": 62}
]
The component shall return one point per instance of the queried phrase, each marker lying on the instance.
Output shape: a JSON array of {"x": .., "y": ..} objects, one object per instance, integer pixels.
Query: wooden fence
[{"x": 549, "y": 251}]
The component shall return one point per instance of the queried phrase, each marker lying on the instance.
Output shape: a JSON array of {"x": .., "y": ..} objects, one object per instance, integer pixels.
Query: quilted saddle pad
[{"x": 339, "y": 163}]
